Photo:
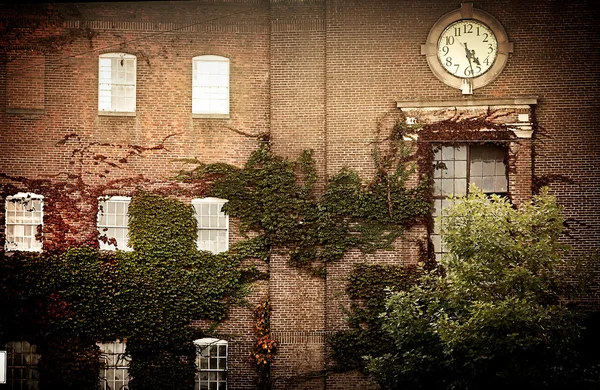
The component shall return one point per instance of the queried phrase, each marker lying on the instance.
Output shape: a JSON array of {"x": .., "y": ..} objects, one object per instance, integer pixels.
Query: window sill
[
  {"x": 28, "y": 111},
  {"x": 115, "y": 113},
  {"x": 12, "y": 251},
  {"x": 211, "y": 116}
]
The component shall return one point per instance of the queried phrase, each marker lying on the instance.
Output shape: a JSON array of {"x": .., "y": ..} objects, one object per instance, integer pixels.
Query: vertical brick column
[{"x": 298, "y": 92}]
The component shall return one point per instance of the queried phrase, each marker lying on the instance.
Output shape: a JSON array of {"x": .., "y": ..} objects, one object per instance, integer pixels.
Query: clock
[{"x": 467, "y": 48}]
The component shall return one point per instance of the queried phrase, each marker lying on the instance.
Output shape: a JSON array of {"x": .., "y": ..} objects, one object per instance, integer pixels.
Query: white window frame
[
  {"x": 212, "y": 357},
  {"x": 22, "y": 357},
  {"x": 114, "y": 370},
  {"x": 447, "y": 174},
  {"x": 117, "y": 85},
  {"x": 104, "y": 225},
  {"x": 210, "y": 86},
  {"x": 205, "y": 224},
  {"x": 21, "y": 231}
]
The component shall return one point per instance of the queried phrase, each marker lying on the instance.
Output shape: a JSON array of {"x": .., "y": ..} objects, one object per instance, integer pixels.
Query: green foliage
[
  {"x": 274, "y": 200},
  {"x": 494, "y": 320},
  {"x": 66, "y": 302},
  {"x": 367, "y": 287},
  {"x": 161, "y": 227},
  {"x": 150, "y": 295}
]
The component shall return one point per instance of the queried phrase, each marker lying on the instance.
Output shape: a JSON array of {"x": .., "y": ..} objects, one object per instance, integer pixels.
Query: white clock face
[{"x": 467, "y": 48}]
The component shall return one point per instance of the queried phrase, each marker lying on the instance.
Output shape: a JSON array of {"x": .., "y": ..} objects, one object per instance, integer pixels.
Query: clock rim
[{"x": 429, "y": 49}]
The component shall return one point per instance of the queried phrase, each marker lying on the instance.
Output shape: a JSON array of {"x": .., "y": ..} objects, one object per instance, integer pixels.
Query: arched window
[
  {"x": 114, "y": 370},
  {"x": 116, "y": 82},
  {"x": 211, "y": 363},
  {"x": 210, "y": 85}
]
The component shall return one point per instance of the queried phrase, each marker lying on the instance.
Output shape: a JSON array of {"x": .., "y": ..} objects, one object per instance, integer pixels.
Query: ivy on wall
[
  {"x": 66, "y": 302},
  {"x": 75, "y": 294},
  {"x": 368, "y": 285},
  {"x": 265, "y": 348},
  {"x": 275, "y": 202}
]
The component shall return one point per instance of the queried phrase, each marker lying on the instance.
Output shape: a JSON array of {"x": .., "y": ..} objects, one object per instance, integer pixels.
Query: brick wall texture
[{"x": 314, "y": 74}]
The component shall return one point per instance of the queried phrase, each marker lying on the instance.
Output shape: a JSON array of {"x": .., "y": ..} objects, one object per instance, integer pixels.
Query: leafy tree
[{"x": 492, "y": 317}]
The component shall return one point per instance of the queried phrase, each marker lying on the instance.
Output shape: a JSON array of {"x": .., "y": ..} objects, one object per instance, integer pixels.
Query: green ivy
[
  {"x": 274, "y": 199},
  {"x": 151, "y": 294},
  {"x": 66, "y": 302},
  {"x": 368, "y": 286}
]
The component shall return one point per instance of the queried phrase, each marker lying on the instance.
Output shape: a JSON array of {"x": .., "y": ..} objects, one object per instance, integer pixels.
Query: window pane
[
  {"x": 501, "y": 184},
  {"x": 23, "y": 218},
  {"x": 447, "y": 153},
  {"x": 448, "y": 172},
  {"x": 460, "y": 169},
  {"x": 210, "y": 91},
  {"x": 460, "y": 187},
  {"x": 113, "y": 222},
  {"x": 116, "y": 83},
  {"x": 488, "y": 169},
  {"x": 488, "y": 184},
  {"x": 460, "y": 153},
  {"x": 447, "y": 187}
]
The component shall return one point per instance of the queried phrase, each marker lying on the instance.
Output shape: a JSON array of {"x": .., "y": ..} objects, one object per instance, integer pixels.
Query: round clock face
[{"x": 467, "y": 48}]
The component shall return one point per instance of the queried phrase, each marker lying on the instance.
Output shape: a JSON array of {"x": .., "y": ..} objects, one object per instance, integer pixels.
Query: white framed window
[
  {"x": 458, "y": 166},
  {"x": 211, "y": 363},
  {"x": 113, "y": 222},
  {"x": 114, "y": 369},
  {"x": 24, "y": 219},
  {"x": 22, "y": 365},
  {"x": 212, "y": 224},
  {"x": 210, "y": 85},
  {"x": 116, "y": 82}
]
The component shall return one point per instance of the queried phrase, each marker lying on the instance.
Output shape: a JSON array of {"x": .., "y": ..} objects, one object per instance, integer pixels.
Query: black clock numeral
[
  {"x": 448, "y": 61},
  {"x": 487, "y": 61},
  {"x": 457, "y": 31},
  {"x": 449, "y": 40},
  {"x": 468, "y": 28},
  {"x": 457, "y": 66},
  {"x": 445, "y": 50},
  {"x": 468, "y": 72},
  {"x": 477, "y": 29},
  {"x": 477, "y": 69},
  {"x": 490, "y": 49},
  {"x": 486, "y": 37}
]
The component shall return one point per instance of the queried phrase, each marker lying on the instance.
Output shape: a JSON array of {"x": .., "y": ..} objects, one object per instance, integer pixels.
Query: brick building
[{"x": 202, "y": 78}]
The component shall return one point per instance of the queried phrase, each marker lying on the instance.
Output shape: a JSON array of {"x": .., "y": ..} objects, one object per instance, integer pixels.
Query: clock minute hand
[{"x": 471, "y": 57}]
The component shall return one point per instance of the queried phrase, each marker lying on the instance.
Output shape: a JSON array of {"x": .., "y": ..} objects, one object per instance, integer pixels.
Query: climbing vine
[
  {"x": 74, "y": 292},
  {"x": 275, "y": 202},
  {"x": 66, "y": 302},
  {"x": 265, "y": 348},
  {"x": 367, "y": 287}
]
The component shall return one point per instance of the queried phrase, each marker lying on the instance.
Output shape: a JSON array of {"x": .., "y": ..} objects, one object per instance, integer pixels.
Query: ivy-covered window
[
  {"x": 114, "y": 371},
  {"x": 211, "y": 361},
  {"x": 210, "y": 85},
  {"x": 116, "y": 82},
  {"x": 458, "y": 166},
  {"x": 213, "y": 225},
  {"x": 24, "y": 219},
  {"x": 113, "y": 222},
  {"x": 22, "y": 361}
]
